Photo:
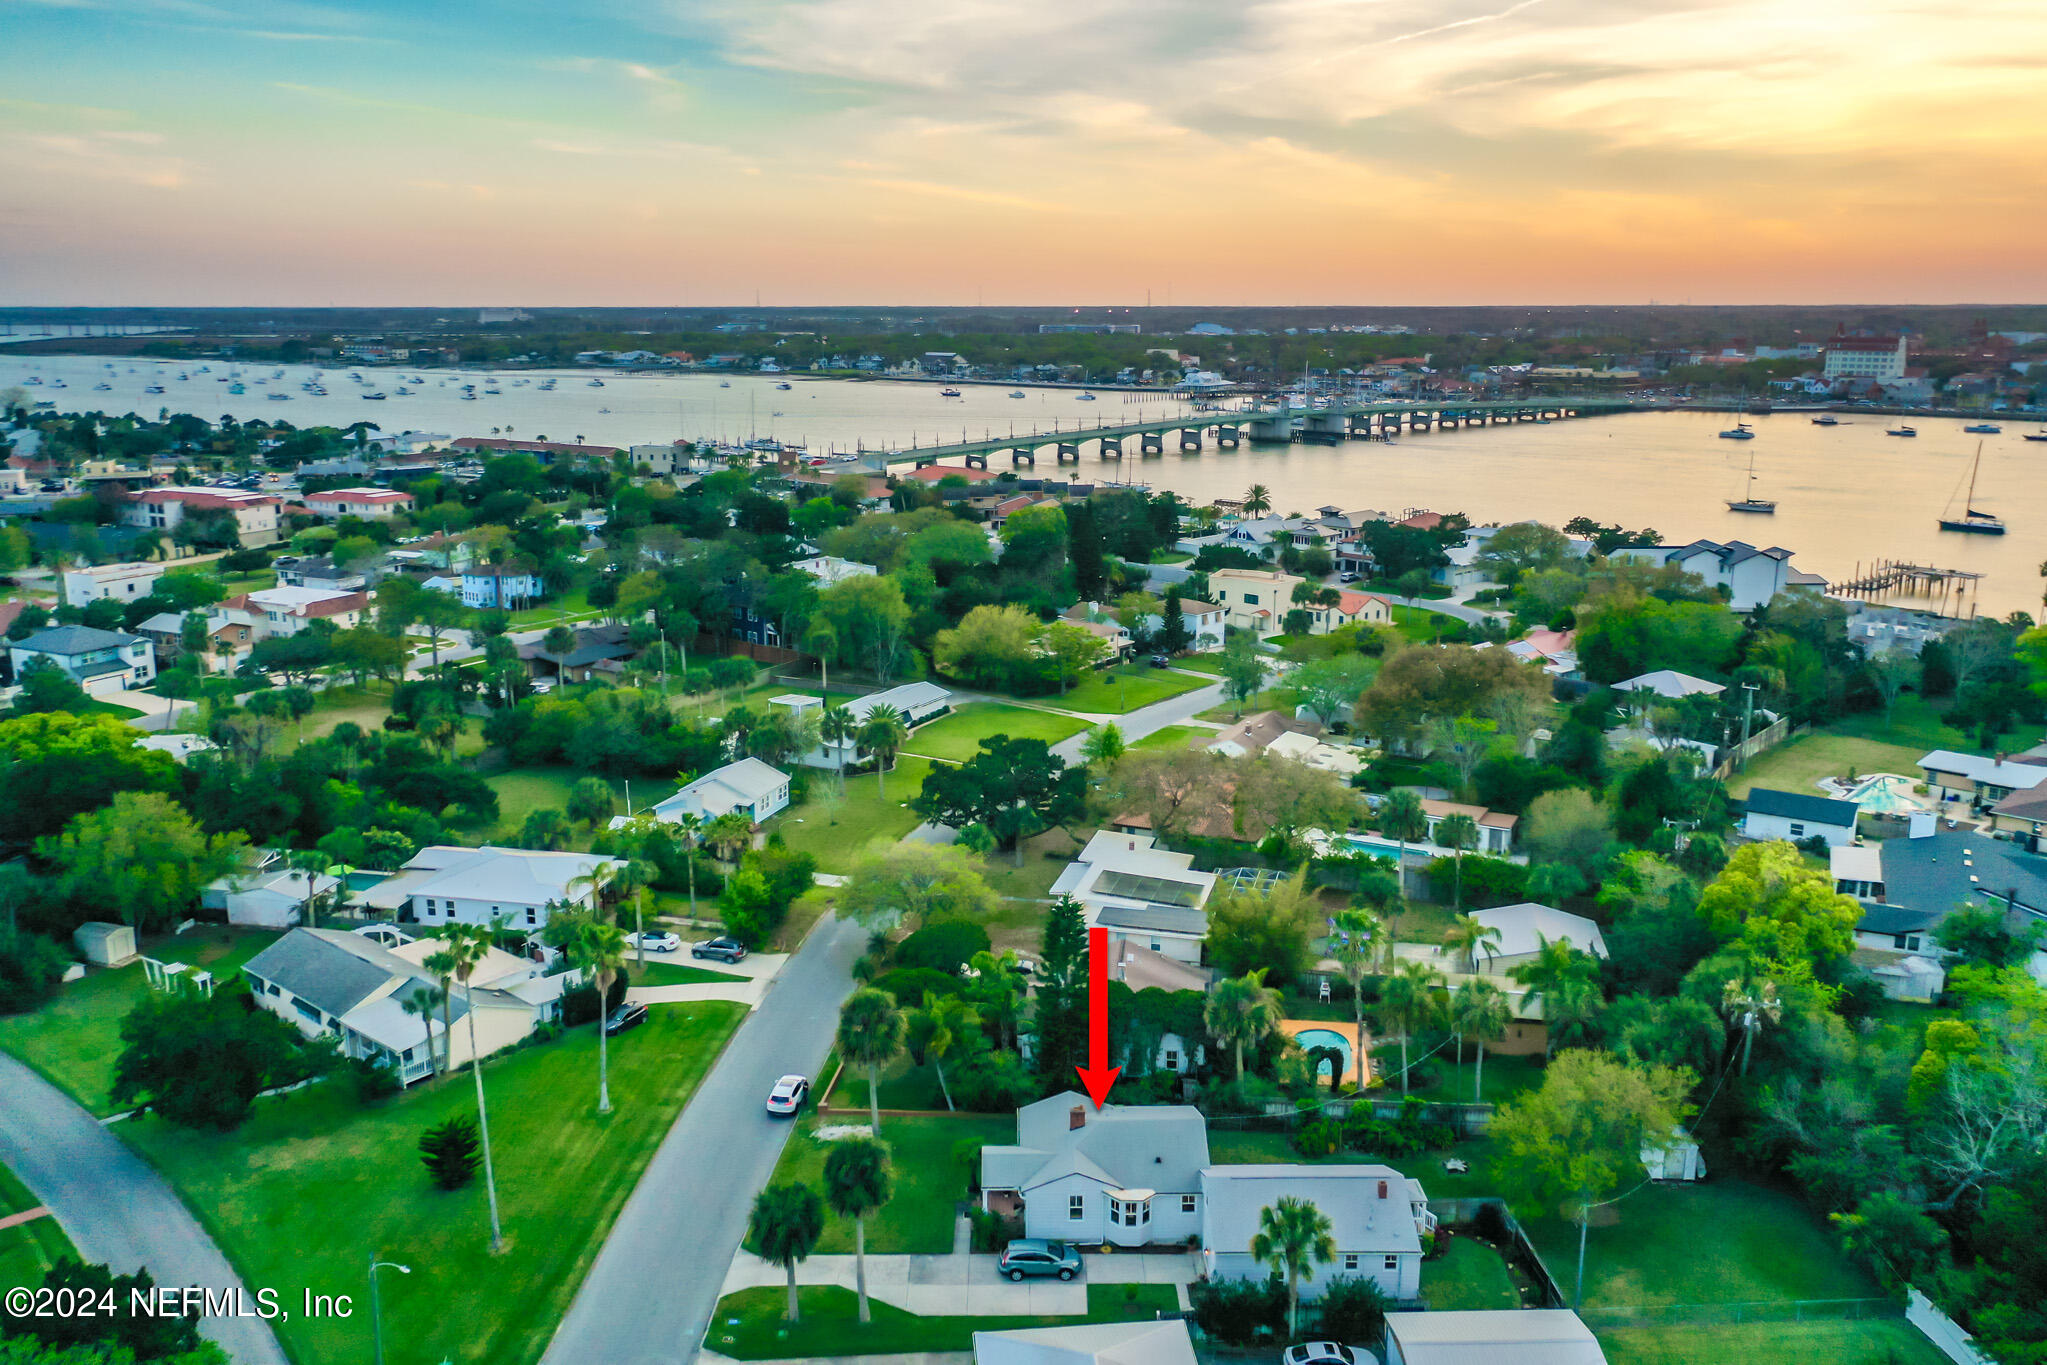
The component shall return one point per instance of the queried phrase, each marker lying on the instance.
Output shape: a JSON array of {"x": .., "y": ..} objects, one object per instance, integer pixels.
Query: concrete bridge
[{"x": 1229, "y": 427}]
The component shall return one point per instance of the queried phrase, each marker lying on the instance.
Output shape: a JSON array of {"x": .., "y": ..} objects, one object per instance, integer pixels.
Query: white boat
[
  {"x": 1087, "y": 398},
  {"x": 374, "y": 397},
  {"x": 1016, "y": 393},
  {"x": 153, "y": 388},
  {"x": 103, "y": 388},
  {"x": 1738, "y": 432},
  {"x": 596, "y": 383}
]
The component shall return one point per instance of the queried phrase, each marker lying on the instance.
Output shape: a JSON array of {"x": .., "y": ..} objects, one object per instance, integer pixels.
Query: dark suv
[
  {"x": 722, "y": 949},
  {"x": 1036, "y": 1256}
]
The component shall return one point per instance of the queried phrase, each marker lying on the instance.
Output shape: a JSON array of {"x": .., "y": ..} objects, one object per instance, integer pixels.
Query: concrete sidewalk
[
  {"x": 967, "y": 1286},
  {"x": 759, "y": 969}
]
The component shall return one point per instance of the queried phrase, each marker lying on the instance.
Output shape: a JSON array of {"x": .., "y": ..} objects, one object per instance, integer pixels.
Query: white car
[
  {"x": 656, "y": 941},
  {"x": 788, "y": 1095},
  {"x": 1325, "y": 1353}
]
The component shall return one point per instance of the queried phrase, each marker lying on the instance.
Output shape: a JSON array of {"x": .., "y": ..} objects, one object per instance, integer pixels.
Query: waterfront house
[
  {"x": 1377, "y": 1219},
  {"x": 253, "y": 515},
  {"x": 99, "y": 661},
  {"x": 1772, "y": 814},
  {"x": 1751, "y": 577}
]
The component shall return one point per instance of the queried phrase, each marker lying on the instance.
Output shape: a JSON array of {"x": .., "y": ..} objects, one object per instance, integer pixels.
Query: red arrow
[{"x": 1098, "y": 1075}]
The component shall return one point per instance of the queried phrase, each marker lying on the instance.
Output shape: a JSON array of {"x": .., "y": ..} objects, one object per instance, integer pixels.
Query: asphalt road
[
  {"x": 648, "y": 1299},
  {"x": 114, "y": 1207}
]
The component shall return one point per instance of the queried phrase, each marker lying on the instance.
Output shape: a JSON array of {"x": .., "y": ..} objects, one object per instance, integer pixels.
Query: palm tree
[
  {"x": 1403, "y": 819},
  {"x": 1569, "y": 1010},
  {"x": 934, "y": 1027},
  {"x": 785, "y": 1224},
  {"x": 1241, "y": 1010},
  {"x": 689, "y": 828},
  {"x": 423, "y": 1001},
  {"x": 1257, "y": 500},
  {"x": 1748, "y": 1007},
  {"x": 1480, "y": 1011},
  {"x": 599, "y": 949},
  {"x": 871, "y": 1032},
  {"x": 1466, "y": 937},
  {"x": 1407, "y": 1002},
  {"x": 837, "y": 727},
  {"x": 882, "y": 734},
  {"x": 1457, "y": 833},
  {"x": 1355, "y": 946},
  {"x": 442, "y": 965},
  {"x": 1551, "y": 973},
  {"x": 309, "y": 863},
  {"x": 857, "y": 1181},
  {"x": 996, "y": 988},
  {"x": 469, "y": 943},
  {"x": 1293, "y": 1237},
  {"x": 596, "y": 881},
  {"x": 727, "y": 832}
]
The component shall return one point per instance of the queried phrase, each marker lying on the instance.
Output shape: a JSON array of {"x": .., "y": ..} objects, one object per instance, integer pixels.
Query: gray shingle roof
[
  {"x": 331, "y": 976},
  {"x": 75, "y": 640},
  {"x": 1798, "y": 806},
  {"x": 1956, "y": 867}
]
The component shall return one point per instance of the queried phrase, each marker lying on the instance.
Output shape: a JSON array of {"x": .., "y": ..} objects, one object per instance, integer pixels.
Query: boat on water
[
  {"x": 238, "y": 387},
  {"x": 785, "y": 384},
  {"x": 153, "y": 388},
  {"x": 724, "y": 383},
  {"x": 1016, "y": 393},
  {"x": 103, "y": 388},
  {"x": 1748, "y": 501},
  {"x": 2036, "y": 436},
  {"x": 942, "y": 393},
  {"x": 1973, "y": 522},
  {"x": 1983, "y": 428},
  {"x": 402, "y": 391},
  {"x": 1826, "y": 419},
  {"x": 276, "y": 396},
  {"x": 1087, "y": 398},
  {"x": 469, "y": 398},
  {"x": 374, "y": 397},
  {"x": 1738, "y": 432},
  {"x": 596, "y": 383},
  {"x": 1901, "y": 431}
]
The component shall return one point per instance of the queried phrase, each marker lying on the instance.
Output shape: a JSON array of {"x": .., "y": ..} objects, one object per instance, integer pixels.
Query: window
[
  {"x": 1350, "y": 1260},
  {"x": 1393, "y": 1263},
  {"x": 1186, "y": 1203},
  {"x": 1250, "y": 599},
  {"x": 1076, "y": 1206},
  {"x": 1797, "y": 830},
  {"x": 1155, "y": 945},
  {"x": 532, "y": 916},
  {"x": 1172, "y": 1061}
]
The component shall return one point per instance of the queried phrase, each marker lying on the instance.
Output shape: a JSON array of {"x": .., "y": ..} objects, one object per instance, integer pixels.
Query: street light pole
[{"x": 376, "y": 1306}]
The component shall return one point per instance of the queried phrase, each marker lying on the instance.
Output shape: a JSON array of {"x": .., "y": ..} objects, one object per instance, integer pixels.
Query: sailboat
[
  {"x": 1971, "y": 520},
  {"x": 1738, "y": 432},
  {"x": 1749, "y": 502}
]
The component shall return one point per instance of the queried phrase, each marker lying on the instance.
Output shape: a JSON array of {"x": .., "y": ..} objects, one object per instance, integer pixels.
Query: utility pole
[{"x": 1748, "y": 715}]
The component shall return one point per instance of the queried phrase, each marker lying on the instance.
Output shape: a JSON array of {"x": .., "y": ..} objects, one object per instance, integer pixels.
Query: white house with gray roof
[
  {"x": 918, "y": 703},
  {"x": 449, "y": 884},
  {"x": 1377, "y": 1218},
  {"x": 99, "y": 661},
  {"x": 749, "y": 787},
  {"x": 1141, "y": 893},
  {"x": 1121, "y": 1175},
  {"x": 328, "y": 981},
  {"x": 1751, "y": 576}
]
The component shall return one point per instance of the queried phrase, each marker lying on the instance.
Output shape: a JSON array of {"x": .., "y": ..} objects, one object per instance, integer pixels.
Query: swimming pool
[
  {"x": 1886, "y": 794},
  {"x": 1310, "y": 1038},
  {"x": 361, "y": 879}
]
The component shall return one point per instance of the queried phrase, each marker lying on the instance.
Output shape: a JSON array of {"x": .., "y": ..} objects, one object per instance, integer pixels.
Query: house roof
[
  {"x": 332, "y": 970},
  {"x": 1154, "y": 1147},
  {"x": 1139, "y": 968},
  {"x": 2009, "y": 772},
  {"x": 207, "y": 497},
  {"x": 1253, "y": 733},
  {"x": 2024, "y": 805},
  {"x": 1098, "y": 1343},
  {"x": 1962, "y": 867},
  {"x": 906, "y": 698},
  {"x": 74, "y": 640},
  {"x": 1348, "y": 1195},
  {"x": 1481, "y": 816},
  {"x": 358, "y": 495},
  {"x": 1191, "y": 921},
  {"x": 1897, "y": 919},
  {"x": 1668, "y": 682},
  {"x": 1539, "y": 1336},
  {"x": 1350, "y": 602},
  {"x": 307, "y": 602},
  {"x": 1798, "y": 806},
  {"x": 749, "y": 780},
  {"x": 510, "y": 876},
  {"x": 1856, "y": 862},
  {"x": 1520, "y": 925}
]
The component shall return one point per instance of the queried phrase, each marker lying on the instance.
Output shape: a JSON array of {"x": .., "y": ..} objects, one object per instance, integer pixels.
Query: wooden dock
[{"x": 1895, "y": 578}]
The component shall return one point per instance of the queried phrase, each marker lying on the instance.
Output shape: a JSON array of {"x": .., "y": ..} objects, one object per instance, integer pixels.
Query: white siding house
[
  {"x": 1121, "y": 1175},
  {"x": 1377, "y": 1217},
  {"x": 750, "y": 787},
  {"x": 1793, "y": 815},
  {"x": 1141, "y": 894}
]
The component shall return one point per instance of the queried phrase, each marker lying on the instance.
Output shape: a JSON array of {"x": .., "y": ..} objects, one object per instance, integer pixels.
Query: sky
[{"x": 715, "y": 152}]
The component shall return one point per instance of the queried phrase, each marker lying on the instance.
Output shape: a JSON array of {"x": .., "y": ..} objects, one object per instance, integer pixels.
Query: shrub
[
  {"x": 1238, "y": 1312},
  {"x": 1322, "y": 1137},
  {"x": 1353, "y": 1310},
  {"x": 992, "y": 1231},
  {"x": 372, "y": 1080},
  {"x": 943, "y": 947},
  {"x": 31, "y": 968},
  {"x": 908, "y": 984},
  {"x": 450, "y": 1152},
  {"x": 579, "y": 1003}
]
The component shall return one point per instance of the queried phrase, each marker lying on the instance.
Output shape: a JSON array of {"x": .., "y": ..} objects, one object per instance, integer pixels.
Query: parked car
[
  {"x": 625, "y": 1017},
  {"x": 1036, "y": 1256},
  {"x": 1321, "y": 1353},
  {"x": 656, "y": 941},
  {"x": 1161, "y": 661},
  {"x": 720, "y": 949},
  {"x": 788, "y": 1095}
]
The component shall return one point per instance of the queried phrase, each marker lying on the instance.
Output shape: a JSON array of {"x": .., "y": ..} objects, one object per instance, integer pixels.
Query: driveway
[
  {"x": 648, "y": 1299},
  {"x": 1146, "y": 720},
  {"x": 968, "y": 1286},
  {"x": 114, "y": 1207}
]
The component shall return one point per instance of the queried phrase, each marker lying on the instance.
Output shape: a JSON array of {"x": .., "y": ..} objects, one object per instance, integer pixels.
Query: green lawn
[
  {"x": 958, "y": 736},
  {"x": 1173, "y": 737},
  {"x": 573, "y": 603},
  {"x": 1426, "y": 627},
  {"x": 837, "y": 829},
  {"x": 749, "y": 1325},
  {"x": 314, "y": 1184},
  {"x": 26, "y": 1249},
  {"x": 904, "y": 1085},
  {"x": 1865, "y": 744},
  {"x": 1114, "y": 691},
  {"x": 1210, "y": 664},
  {"x": 73, "y": 1040},
  {"x": 1469, "y": 1275},
  {"x": 1890, "y": 1341},
  {"x": 1725, "y": 1241},
  {"x": 657, "y": 973},
  {"x": 1504, "y": 1077},
  {"x": 930, "y": 1176},
  {"x": 521, "y": 791}
]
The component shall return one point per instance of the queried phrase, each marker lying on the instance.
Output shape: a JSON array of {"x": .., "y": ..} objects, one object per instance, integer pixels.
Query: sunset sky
[{"x": 949, "y": 151}]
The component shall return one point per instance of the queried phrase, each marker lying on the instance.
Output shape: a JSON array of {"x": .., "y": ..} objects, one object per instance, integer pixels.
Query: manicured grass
[
  {"x": 1468, "y": 1275},
  {"x": 1881, "y": 1341},
  {"x": 837, "y": 829},
  {"x": 749, "y": 1325},
  {"x": 959, "y": 735},
  {"x": 1426, "y": 627},
  {"x": 1045, "y": 856},
  {"x": 107, "y": 708},
  {"x": 27, "y": 1249},
  {"x": 1173, "y": 737},
  {"x": 903, "y": 1086},
  {"x": 1725, "y": 1241},
  {"x": 1211, "y": 664},
  {"x": 756, "y": 697},
  {"x": 1235, "y": 1147},
  {"x": 1116, "y": 691},
  {"x": 658, "y": 973},
  {"x": 574, "y": 602},
  {"x": 930, "y": 1179},
  {"x": 304, "y": 1192},
  {"x": 521, "y": 791},
  {"x": 1866, "y": 743},
  {"x": 73, "y": 1040},
  {"x": 1505, "y": 1077}
]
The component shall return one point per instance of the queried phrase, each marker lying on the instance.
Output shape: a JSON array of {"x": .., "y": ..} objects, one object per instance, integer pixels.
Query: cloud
[{"x": 105, "y": 156}]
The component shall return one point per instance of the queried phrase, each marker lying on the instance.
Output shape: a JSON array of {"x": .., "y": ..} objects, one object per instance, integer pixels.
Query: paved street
[
  {"x": 648, "y": 1299},
  {"x": 114, "y": 1207}
]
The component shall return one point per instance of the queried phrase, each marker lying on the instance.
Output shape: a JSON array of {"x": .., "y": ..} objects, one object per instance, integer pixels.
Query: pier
[
  {"x": 1325, "y": 425},
  {"x": 1890, "y": 577}
]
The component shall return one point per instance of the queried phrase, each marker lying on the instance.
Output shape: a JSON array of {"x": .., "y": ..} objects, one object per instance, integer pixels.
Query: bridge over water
[{"x": 1231, "y": 426}]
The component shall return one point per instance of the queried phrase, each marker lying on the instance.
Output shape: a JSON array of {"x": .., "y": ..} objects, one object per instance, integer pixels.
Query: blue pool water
[
  {"x": 1322, "y": 1037},
  {"x": 361, "y": 880}
]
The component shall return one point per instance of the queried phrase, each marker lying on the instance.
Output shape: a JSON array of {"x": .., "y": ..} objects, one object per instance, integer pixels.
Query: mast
[{"x": 1969, "y": 502}]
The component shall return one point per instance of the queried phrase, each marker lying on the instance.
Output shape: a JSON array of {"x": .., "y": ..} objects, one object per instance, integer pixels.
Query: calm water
[{"x": 1846, "y": 495}]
